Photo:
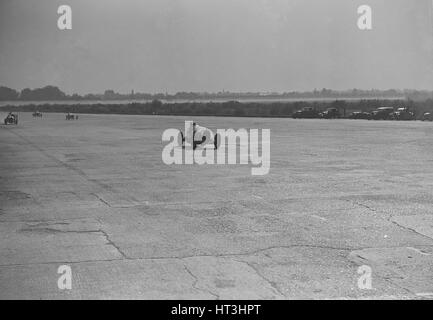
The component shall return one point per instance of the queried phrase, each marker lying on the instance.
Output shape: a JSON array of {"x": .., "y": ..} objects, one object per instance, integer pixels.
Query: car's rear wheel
[{"x": 216, "y": 141}]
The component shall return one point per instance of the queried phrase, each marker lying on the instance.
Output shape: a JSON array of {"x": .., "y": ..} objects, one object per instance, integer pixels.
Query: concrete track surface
[{"x": 95, "y": 195}]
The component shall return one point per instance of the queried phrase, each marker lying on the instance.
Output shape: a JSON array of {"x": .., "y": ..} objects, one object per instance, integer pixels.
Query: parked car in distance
[
  {"x": 331, "y": 113},
  {"x": 306, "y": 113},
  {"x": 383, "y": 113},
  {"x": 428, "y": 116},
  {"x": 360, "y": 115},
  {"x": 403, "y": 114}
]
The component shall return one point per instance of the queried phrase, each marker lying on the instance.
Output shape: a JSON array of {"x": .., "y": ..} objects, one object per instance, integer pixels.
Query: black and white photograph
[{"x": 204, "y": 150}]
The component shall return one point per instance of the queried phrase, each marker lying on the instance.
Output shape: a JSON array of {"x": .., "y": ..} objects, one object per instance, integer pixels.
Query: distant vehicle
[
  {"x": 71, "y": 116},
  {"x": 37, "y": 114},
  {"x": 427, "y": 116},
  {"x": 383, "y": 113},
  {"x": 331, "y": 113},
  {"x": 306, "y": 113},
  {"x": 360, "y": 115},
  {"x": 11, "y": 118},
  {"x": 403, "y": 114}
]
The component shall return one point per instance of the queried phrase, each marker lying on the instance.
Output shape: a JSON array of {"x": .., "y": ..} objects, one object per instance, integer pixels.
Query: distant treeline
[
  {"x": 229, "y": 109},
  {"x": 52, "y": 93}
]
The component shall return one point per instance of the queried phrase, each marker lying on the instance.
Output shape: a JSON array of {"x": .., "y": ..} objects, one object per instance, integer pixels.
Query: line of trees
[
  {"x": 230, "y": 108},
  {"x": 53, "y": 93},
  {"x": 38, "y": 94},
  {"x": 8, "y": 94}
]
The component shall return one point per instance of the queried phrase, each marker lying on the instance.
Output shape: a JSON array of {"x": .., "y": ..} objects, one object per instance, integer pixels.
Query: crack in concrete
[
  {"x": 365, "y": 206},
  {"x": 389, "y": 218},
  {"x": 53, "y": 230},
  {"x": 226, "y": 255},
  {"x": 408, "y": 228},
  {"x": 44, "y": 220},
  {"x": 256, "y": 270},
  {"x": 119, "y": 207},
  {"x": 48, "y": 223},
  {"x": 94, "y": 231},
  {"x": 194, "y": 285},
  {"x": 241, "y": 254},
  {"x": 102, "y": 200},
  {"x": 362, "y": 205},
  {"x": 421, "y": 252},
  {"x": 109, "y": 241}
]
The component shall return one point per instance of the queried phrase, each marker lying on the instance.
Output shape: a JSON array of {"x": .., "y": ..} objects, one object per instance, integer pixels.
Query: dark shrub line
[{"x": 226, "y": 109}]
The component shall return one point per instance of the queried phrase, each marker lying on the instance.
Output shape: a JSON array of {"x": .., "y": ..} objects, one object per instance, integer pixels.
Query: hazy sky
[{"x": 213, "y": 45}]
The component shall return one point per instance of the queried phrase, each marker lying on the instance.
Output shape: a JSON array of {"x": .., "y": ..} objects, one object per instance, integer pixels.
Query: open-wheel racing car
[
  {"x": 11, "y": 118},
  {"x": 207, "y": 137}
]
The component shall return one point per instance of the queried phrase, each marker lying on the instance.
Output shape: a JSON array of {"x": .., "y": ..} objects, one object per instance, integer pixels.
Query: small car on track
[
  {"x": 71, "y": 116},
  {"x": 11, "y": 118}
]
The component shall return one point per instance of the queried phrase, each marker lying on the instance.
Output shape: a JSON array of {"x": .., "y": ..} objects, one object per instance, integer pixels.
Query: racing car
[
  {"x": 207, "y": 137},
  {"x": 11, "y": 118}
]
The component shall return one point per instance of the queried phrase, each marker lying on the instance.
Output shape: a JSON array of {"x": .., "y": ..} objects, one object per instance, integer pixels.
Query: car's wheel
[
  {"x": 216, "y": 141},
  {"x": 180, "y": 139}
]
